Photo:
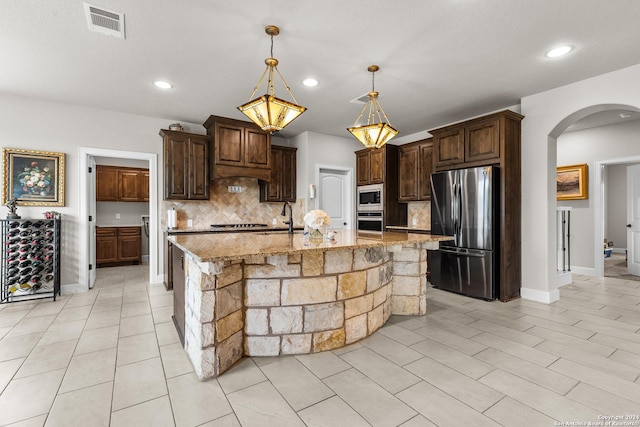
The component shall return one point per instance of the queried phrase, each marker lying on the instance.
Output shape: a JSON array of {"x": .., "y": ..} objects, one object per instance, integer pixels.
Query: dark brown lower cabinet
[
  {"x": 177, "y": 258},
  {"x": 118, "y": 245}
]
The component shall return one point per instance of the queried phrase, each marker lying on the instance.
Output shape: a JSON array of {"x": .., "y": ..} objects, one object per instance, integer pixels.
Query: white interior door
[
  {"x": 91, "y": 187},
  {"x": 633, "y": 220},
  {"x": 334, "y": 196}
]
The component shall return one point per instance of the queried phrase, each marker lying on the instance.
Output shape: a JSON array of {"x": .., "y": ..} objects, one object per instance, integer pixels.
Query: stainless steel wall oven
[{"x": 370, "y": 221}]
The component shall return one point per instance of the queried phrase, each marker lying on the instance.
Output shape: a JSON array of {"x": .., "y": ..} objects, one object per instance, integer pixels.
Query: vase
[{"x": 317, "y": 234}]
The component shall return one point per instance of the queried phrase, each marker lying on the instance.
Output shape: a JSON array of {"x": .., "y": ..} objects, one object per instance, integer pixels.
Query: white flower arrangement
[{"x": 316, "y": 219}]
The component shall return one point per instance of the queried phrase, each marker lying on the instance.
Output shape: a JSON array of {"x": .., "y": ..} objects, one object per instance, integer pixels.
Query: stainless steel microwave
[{"x": 370, "y": 197}]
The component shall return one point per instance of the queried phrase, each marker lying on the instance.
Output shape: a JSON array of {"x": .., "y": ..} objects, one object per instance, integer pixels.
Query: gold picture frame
[
  {"x": 33, "y": 178},
  {"x": 572, "y": 182}
]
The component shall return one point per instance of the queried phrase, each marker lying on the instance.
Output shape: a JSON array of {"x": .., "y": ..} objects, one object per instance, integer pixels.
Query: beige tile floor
[{"x": 112, "y": 357}]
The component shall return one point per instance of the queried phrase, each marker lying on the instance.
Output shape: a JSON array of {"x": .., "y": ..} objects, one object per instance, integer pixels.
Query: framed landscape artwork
[
  {"x": 572, "y": 182},
  {"x": 33, "y": 178}
]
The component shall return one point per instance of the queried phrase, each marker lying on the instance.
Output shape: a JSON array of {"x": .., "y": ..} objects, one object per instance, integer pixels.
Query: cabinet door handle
[{"x": 182, "y": 262}]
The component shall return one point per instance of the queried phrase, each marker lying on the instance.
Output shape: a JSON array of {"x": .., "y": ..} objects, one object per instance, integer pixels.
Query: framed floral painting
[{"x": 33, "y": 178}]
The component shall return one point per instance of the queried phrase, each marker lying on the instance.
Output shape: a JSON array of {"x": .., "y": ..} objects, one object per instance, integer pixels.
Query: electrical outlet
[
  {"x": 117, "y": 216},
  {"x": 274, "y": 221},
  {"x": 234, "y": 189},
  {"x": 189, "y": 223},
  {"x": 414, "y": 221}
]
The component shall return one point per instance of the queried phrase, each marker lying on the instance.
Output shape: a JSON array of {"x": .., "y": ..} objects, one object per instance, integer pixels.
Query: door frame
[
  {"x": 632, "y": 266},
  {"x": 86, "y": 179},
  {"x": 598, "y": 216},
  {"x": 349, "y": 193}
]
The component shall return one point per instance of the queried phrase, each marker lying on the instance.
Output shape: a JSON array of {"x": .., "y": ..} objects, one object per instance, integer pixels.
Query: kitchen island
[{"x": 270, "y": 294}]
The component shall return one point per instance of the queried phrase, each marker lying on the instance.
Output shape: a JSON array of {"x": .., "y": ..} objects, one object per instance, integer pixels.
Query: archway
[
  {"x": 594, "y": 146},
  {"x": 547, "y": 115}
]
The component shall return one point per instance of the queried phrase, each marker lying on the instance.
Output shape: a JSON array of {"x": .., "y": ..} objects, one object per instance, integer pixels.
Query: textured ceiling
[{"x": 441, "y": 60}]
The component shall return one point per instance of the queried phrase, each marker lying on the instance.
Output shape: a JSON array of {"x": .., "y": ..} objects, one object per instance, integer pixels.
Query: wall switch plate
[
  {"x": 414, "y": 221},
  {"x": 189, "y": 223},
  {"x": 274, "y": 221},
  {"x": 117, "y": 216},
  {"x": 234, "y": 189}
]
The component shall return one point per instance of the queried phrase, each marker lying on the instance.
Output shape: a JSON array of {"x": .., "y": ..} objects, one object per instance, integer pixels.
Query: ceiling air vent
[
  {"x": 361, "y": 99},
  {"x": 104, "y": 21}
]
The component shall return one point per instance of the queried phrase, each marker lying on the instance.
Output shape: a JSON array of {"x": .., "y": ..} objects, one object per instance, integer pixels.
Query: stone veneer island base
[{"x": 256, "y": 294}]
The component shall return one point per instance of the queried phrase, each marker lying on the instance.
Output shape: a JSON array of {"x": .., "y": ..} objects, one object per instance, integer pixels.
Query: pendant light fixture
[
  {"x": 271, "y": 113},
  {"x": 377, "y": 131}
]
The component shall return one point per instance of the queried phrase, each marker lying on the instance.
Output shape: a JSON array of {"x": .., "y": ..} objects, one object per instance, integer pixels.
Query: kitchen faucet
[{"x": 284, "y": 213}]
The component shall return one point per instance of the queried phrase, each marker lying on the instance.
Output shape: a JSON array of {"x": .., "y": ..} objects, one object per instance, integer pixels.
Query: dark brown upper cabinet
[
  {"x": 371, "y": 165},
  {"x": 239, "y": 148},
  {"x": 186, "y": 165},
  {"x": 416, "y": 164},
  {"x": 282, "y": 187},
  {"x": 121, "y": 184}
]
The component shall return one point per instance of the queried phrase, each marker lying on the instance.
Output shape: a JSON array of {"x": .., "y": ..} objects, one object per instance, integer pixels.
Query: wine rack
[{"x": 30, "y": 266}]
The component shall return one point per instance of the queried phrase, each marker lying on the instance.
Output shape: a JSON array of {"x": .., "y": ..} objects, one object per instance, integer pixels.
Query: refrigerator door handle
[
  {"x": 462, "y": 252},
  {"x": 459, "y": 197},
  {"x": 449, "y": 250},
  {"x": 455, "y": 209}
]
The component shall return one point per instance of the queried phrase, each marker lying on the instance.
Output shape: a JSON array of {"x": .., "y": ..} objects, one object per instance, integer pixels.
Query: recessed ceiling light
[
  {"x": 559, "y": 51},
  {"x": 310, "y": 82},
  {"x": 162, "y": 84}
]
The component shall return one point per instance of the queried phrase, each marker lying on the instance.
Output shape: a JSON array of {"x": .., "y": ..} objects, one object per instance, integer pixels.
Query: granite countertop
[
  {"x": 231, "y": 246},
  {"x": 192, "y": 230},
  {"x": 425, "y": 229}
]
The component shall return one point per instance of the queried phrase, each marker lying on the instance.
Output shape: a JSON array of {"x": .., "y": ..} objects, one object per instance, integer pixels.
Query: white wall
[
  {"x": 130, "y": 213},
  {"x": 314, "y": 150},
  {"x": 547, "y": 115},
  {"x": 588, "y": 146},
  {"x": 47, "y": 126}
]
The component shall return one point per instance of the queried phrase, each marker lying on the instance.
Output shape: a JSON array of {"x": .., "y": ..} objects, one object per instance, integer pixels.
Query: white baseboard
[
  {"x": 618, "y": 250},
  {"x": 585, "y": 271},
  {"x": 73, "y": 288},
  {"x": 563, "y": 278},
  {"x": 145, "y": 259},
  {"x": 540, "y": 296}
]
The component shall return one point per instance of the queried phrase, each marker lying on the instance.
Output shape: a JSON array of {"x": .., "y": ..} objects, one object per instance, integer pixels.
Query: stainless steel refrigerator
[{"x": 464, "y": 204}]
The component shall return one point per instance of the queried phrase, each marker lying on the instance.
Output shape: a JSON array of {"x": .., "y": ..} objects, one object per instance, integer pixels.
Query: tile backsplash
[
  {"x": 421, "y": 212},
  {"x": 224, "y": 207}
]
